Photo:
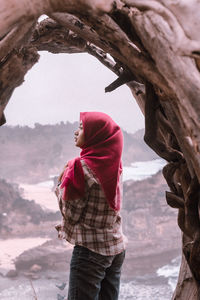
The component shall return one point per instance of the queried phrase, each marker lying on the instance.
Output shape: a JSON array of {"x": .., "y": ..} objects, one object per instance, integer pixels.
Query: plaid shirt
[{"x": 89, "y": 221}]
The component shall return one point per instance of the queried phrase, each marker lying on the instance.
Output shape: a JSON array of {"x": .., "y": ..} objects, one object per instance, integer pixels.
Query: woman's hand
[
  {"x": 61, "y": 175},
  {"x": 57, "y": 191}
]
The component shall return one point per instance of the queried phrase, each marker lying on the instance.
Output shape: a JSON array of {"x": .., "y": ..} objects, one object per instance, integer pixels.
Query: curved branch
[
  {"x": 23, "y": 10},
  {"x": 152, "y": 136},
  {"x": 77, "y": 26},
  {"x": 103, "y": 58},
  {"x": 174, "y": 201},
  {"x": 168, "y": 173},
  {"x": 162, "y": 11},
  {"x": 124, "y": 50},
  {"x": 109, "y": 37},
  {"x": 15, "y": 38},
  {"x": 125, "y": 77},
  {"x": 13, "y": 71},
  {"x": 182, "y": 44},
  {"x": 51, "y": 36}
]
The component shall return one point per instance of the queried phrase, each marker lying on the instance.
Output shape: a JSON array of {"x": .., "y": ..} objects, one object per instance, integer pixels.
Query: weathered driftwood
[{"x": 154, "y": 48}]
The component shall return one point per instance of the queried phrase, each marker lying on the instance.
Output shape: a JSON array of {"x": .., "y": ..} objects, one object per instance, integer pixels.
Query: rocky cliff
[
  {"x": 149, "y": 224},
  {"x": 20, "y": 217}
]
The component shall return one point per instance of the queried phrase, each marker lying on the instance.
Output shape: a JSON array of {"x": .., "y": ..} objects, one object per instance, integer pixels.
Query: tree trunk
[{"x": 155, "y": 49}]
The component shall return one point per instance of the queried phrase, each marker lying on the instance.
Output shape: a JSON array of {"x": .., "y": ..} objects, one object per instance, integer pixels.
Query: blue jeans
[{"x": 94, "y": 276}]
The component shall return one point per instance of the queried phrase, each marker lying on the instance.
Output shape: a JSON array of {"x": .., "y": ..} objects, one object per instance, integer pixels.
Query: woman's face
[{"x": 79, "y": 136}]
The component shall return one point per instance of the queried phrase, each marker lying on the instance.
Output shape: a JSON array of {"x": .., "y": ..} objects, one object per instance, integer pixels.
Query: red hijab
[{"x": 102, "y": 152}]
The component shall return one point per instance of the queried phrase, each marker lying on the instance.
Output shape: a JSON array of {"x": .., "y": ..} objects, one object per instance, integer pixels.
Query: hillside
[
  {"x": 148, "y": 222},
  {"x": 20, "y": 217},
  {"x": 146, "y": 213},
  {"x": 146, "y": 216},
  {"x": 33, "y": 154}
]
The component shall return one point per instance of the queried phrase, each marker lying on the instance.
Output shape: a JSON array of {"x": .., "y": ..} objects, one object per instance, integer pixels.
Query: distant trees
[{"x": 42, "y": 150}]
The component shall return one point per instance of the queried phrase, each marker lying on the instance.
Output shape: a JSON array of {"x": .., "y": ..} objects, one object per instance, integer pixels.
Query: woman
[{"x": 90, "y": 197}]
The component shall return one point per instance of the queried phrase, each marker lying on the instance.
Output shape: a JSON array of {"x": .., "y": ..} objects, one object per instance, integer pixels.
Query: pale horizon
[
  {"x": 59, "y": 86},
  {"x": 58, "y": 123}
]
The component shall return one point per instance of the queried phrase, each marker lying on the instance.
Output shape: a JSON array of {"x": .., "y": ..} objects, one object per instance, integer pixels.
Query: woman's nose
[{"x": 76, "y": 132}]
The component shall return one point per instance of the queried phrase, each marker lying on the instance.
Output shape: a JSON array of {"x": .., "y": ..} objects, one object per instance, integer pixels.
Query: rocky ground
[
  {"x": 55, "y": 256},
  {"x": 44, "y": 270}
]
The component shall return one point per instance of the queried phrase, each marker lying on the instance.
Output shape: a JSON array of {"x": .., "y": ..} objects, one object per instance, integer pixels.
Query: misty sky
[{"x": 61, "y": 85}]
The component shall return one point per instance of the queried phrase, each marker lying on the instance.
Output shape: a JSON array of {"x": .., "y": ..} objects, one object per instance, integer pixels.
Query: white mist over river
[
  {"x": 142, "y": 169},
  {"x": 42, "y": 193}
]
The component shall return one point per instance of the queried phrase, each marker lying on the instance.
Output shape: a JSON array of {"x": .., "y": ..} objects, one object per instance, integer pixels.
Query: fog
[{"x": 59, "y": 86}]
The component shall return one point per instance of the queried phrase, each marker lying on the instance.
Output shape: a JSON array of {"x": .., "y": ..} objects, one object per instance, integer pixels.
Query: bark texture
[{"x": 154, "y": 48}]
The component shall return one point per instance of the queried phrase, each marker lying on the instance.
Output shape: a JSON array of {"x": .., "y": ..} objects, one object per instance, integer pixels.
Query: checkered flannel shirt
[{"x": 89, "y": 221}]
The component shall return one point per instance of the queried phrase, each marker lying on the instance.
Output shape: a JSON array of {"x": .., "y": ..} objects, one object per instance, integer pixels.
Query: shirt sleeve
[{"x": 72, "y": 210}]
